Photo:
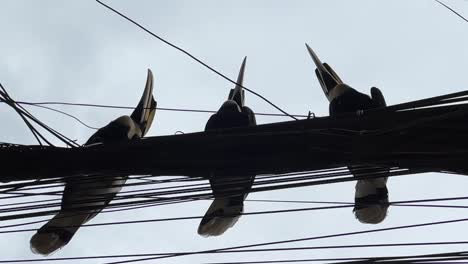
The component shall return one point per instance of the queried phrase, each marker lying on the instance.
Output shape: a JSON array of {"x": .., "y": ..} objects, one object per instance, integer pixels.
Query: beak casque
[
  {"x": 326, "y": 75},
  {"x": 144, "y": 113},
  {"x": 237, "y": 94}
]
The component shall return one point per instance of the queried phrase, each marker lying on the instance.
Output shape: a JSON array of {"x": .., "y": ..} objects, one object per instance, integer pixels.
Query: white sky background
[{"x": 77, "y": 51}]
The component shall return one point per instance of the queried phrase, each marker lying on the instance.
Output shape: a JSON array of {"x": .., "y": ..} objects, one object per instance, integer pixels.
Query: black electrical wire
[
  {"x": 41, "y": 105},
  {"x": 49, "y": 183},
  {"x": 106, "y": 210},
  {"x": 206, "y": 189},
  {"x": 441, "y": 257},
  {"x": 409, "y": 203},
  {"x": 347, "y": 205},
  {"x": 188, "y": 218},
  {"x": 194, "y": 58},
  {"x": 182, "y": 191},
  {"x": 203, "y": 195},
  {"x": 392, "y": 259},
  {"x": 144, "y": 195},
  {"x": 340, "y": 205},
  {"x": 261, "y": 179},
  {"x": 5, "y": 98},
  {"x": 170, "y": 187},
  {"x": 298, "y": 240},
  {"x": 349, "y": 246},
  {"x": 157, "y": 108},
  {"x": 452, "y": 10},
  {"x": 25, "y": 115},
  {"x": 66, "y": 114}
]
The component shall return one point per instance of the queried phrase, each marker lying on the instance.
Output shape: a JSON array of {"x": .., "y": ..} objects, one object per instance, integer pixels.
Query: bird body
[
  {"x": 84, "y": 197},
  {"x": 371, "y": 195},
  {"x": 349, "y": 100},
  {"x": 229, "y": 188}
]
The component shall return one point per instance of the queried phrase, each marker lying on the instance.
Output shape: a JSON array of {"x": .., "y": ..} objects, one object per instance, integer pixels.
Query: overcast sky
[{"x": 78, "y": 51}]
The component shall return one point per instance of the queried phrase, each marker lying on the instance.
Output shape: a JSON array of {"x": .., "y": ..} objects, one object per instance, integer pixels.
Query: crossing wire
[
  {"x": 194, "y": 58},
  {"x": 278, "y": 249}
]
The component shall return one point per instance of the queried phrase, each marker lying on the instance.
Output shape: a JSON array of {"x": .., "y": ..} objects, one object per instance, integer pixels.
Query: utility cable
[
  {"x": 452, "y": 10},
  {"x": 401, "y": 227},
  {"x": 194, "y": 58}
]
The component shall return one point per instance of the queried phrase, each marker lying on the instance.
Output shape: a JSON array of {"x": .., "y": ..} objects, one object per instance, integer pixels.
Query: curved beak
[
  {"x": 325, "y": 74},
  {"x": 237, "y": 94},
  {"x": 144, "y": 113}
]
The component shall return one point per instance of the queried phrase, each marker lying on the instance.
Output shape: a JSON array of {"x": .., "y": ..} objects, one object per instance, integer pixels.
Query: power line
[
  {"x": 27, "y": 117},
  {"x": 183, "y": 110},
  {"x": 66, "y": 114},
  {"x": 298, "y": 240},
  {"x": 337, "y": 205},
  {"x": 194, "y": 58},
  {"x": 202, "y": 191},
  {"x": 452, "y": 10},
  {"x": 184, "y": 218},
  {"x": 311, "y": 248},
  {"x": 205, "y": 191},
  {"x": 213, "y": 252},
  {"x": 158, "y": 108}
]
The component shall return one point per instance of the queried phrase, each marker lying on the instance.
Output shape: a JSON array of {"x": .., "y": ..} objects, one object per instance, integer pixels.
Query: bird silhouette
[
  {"x": 371, "y": 195},
  {"x": 229, "y": 188},
  {"x": 84, "y": 197}
]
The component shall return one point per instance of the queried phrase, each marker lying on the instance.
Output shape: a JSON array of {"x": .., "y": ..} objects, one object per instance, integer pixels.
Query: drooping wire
[
  {"x": 158, "y": 108},
  {"x": 262, "y": 184},
  {"x": 194, "y": 58},
  {"x": 66, "y": 114},
  {"x": 204, "y": 195},
  {"x": 284, "y": 249},
  {"x": 401, "y": 227},
  {"x": 207, "y": 195},
  {"x": 427, "y": 258},
  {"x": 183, "y": 218},
  {"x": 184, "y": 110},
  {"x": 452, "y": 10},
  {"x": 26, "y": 116},
  {"x": 6, "y": 99},
  {"x": 203, "y": 191},
  {"x": 339, "y": 206}
]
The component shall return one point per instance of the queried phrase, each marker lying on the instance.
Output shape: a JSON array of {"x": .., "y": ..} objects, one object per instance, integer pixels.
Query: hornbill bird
[
  {"x": 84, "y": 197},
  {"x": 229, "y": 188},
  {"x": 371, "y": 196}
]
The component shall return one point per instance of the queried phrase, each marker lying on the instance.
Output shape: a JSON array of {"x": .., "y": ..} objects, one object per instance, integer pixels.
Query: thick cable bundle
[{"x": 426, "y": 135}]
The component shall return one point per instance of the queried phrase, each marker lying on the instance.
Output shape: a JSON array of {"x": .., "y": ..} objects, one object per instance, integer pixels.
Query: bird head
[
  {"x": 236, "y": 98},
  {"x": 129, "y": 127},
  {"x": 330, "y": 82},
  {"x": 237, "y": 94},
  {"x": 143, "y": 114}
]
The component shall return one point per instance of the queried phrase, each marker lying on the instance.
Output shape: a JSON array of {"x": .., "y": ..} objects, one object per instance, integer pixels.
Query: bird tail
[
  {"x": 222, "y": 215},
  {"x": 371, "y": 200},
  {"x": 56, "y": 233}
]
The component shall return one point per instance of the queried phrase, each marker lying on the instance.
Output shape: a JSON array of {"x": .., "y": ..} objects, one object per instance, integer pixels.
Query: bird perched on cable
[
  {"x": 84, "y": 197},
  {"x": 229, "y": 188},
  {"x": 371, "y": 196}
]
